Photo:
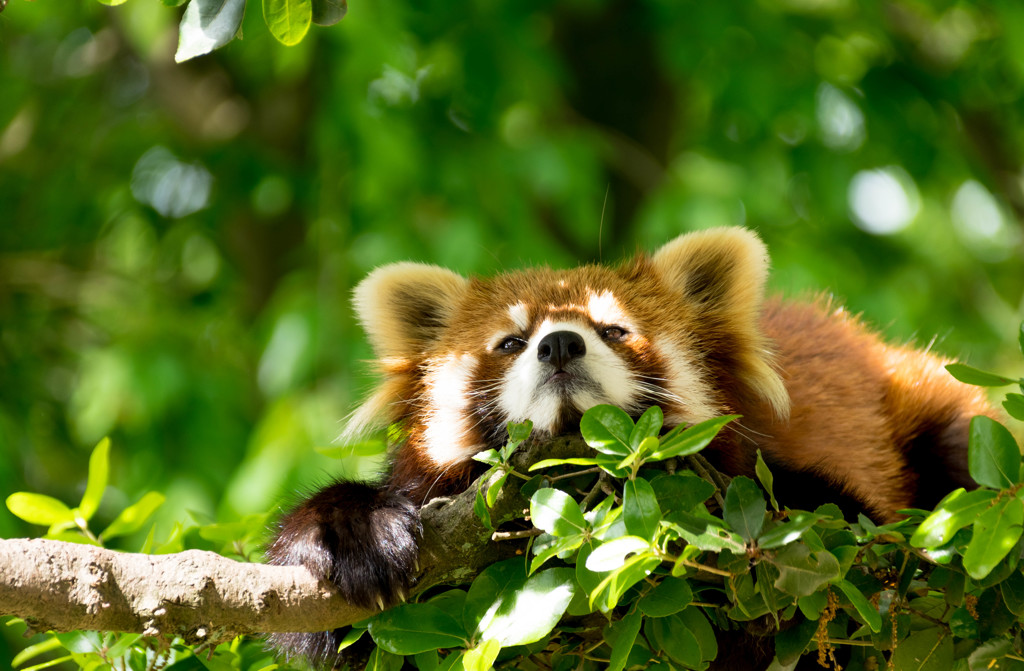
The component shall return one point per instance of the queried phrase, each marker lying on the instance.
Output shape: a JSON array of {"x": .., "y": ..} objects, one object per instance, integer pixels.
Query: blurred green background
[{"x": 178, "y": 242}]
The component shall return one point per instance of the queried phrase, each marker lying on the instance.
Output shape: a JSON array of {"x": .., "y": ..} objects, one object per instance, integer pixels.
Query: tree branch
[{"x": 202, "y": 597}]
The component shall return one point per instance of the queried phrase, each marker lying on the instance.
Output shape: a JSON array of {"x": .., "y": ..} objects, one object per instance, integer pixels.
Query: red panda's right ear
[{"x": 404, "y": 307}]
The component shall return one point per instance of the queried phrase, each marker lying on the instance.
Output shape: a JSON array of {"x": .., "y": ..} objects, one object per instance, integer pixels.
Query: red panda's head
[{"x": 462, "y": 357}]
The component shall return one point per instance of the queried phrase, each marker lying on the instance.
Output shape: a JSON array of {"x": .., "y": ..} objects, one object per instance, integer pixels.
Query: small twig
[
  {"x": 515, "y": 535},
  {"x": 847, "y": 641},
  {"x": 704, "y": 567},
  {"x": 594, "y": 492},
  {"x": 574, "y": 474},
  {"x": 703, "y": 468}
]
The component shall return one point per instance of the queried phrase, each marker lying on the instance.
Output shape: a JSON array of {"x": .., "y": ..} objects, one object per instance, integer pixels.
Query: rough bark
[{"x": 201, "y": 596}]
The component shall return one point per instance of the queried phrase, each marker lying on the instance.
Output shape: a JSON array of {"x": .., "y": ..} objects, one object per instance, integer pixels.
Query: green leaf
[
  {"x": 745, "y": 507},
  {"x": 572, "y": 461},
  {"x": 954, "y": 512},
  {"x": 1020, "y": 338},
  {"x": 802, "y": 572},
  {"x": 611, "y": 589},
  {"x": 99, "y": 470},
  {"x": 607, "y": 429},
  {"x": 489, "y": 457},
  {"x": 527, "y": 612},
  {"x": 764, "y": 476},
  {"x": 706, "y": 533},
  {"x": 993, "y": 456},
  {"x": 207, "y": 25},
  {"x": 620, "y": 636},
  {"x": 612, "y": 555},
  {"x": 329, "y": 12},
  {"x": 561, "y": 545},
  {"x": 648, "y": 426},
  {"x": 1012, "y": 590},
  {"x": 869, "y": 614},
  {"x": 668, "y": 597},
  {"x": 481, "y": 511},
  {"x": 695, "y": 623},
  {"x": 640, "y": 509},
  {"x": 481, "y": 658},
  {"x": 39, "y": 509},
  {"x": 32, "y": 651},
  {"x": 555, "y": 512},
  {"x": 996, "y": 531},
  {"x": 382, "y": 660},
  {"x": 788, "y": 532},
  {"x": 978, "y": 378},
  {"x": 412, "y": 628},
  {"x": 681, "y": 443},
  {"x": 681, "y": 492},
  {"x": 1014, "y": 406},
  {"x": 925, "y": 650},
  {"x": 288, "y": 20},
  {"x": 517, "y": 432},
  {"x": 670, "y": 635},
  {"x": 791, "y": 643},
  {"x": 494, "y": 488}
]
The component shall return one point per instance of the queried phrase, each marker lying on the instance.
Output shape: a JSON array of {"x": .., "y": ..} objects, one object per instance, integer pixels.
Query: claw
[{"x": 380, "y": 602}]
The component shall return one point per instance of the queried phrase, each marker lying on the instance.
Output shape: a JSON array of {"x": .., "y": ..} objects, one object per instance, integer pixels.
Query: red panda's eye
[
  {"x": 511, "y": 344},
  {"x": 614, "y": 333}
]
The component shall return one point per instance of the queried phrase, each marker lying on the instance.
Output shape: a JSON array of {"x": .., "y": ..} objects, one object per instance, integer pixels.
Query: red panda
[{"x": 835, "y": 411}]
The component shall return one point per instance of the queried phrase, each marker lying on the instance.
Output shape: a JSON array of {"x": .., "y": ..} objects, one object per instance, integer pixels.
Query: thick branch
[{"x": 201, "y": 596}]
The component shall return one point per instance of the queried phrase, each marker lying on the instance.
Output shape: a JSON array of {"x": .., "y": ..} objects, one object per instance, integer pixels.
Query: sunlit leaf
[
  {"x": 207, "y": 25},
  {"x": 481, "y": 658},
  {"x": 288, "y": 20},
  {"x": 958, "y": 509},
  {"x": 681, "y": 443},
  {"x": 764, "y": 476},
  {"x": 607, "y": 429},
  {"x": 99, "y": 470},
  {"x": 555, "y": 512},
  {"x": 39, "y": 509},
  {"x": 648, "y": 426},
  {"x": 612, "y": 555},
  {"x": 789, "y": 531}
]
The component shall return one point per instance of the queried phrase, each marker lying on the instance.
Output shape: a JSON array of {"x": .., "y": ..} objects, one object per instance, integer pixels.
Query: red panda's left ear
[
  {"x": 720, "y": 274},
  {"x": 404, "y": 307}
]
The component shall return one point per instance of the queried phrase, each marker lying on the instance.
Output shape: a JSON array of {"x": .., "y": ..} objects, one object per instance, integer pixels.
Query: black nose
[{"x": 560, "y": 347}]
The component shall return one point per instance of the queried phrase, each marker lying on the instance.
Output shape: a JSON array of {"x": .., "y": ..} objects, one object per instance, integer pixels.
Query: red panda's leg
[{"x": 362, "y": 538}]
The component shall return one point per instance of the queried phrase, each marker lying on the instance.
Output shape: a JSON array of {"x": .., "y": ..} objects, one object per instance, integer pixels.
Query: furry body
[{"x": 836, "y": 412}]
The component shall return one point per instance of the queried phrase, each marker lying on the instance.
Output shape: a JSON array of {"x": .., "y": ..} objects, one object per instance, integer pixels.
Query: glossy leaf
[
  {"x": 1014, "y": 405},
  {"x": 745, "y": 507},
  {"x": 99, "y": 471},
  {"x": 787, "y": 532},
  {"x": 288, "y": 20},
  {"x": 681, "y": 443},
  {"x": 648, "y": 426},
  {"x": 527, "y": 611},
  {"x": 571, "y": 461},
  {"x": 481, "y": 658},
  {"x": 413, "y": 628},
  {"x": 607, "y": 429},
  {"x": 612, "y": 555},
  {"x": 958, "y": 509},
  {"x": 640, "y": 508},
  {"x": 612, "y": 587},
  {"x": 555, "y": 512},
  {"x": 706, "y": 533},
  {"x": 565, "y": 544},
  {"x": 993, "y": 455},
  {"x": 207, "y": 25},
  {"x": 668, "y": 597},
  {"x": 996, "y": 531}
]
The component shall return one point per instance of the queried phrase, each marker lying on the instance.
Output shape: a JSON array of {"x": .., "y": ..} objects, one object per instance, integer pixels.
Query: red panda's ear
[
  {"x": 723, "y": 268},
  {"x": 404, "y": 307},
  {"x": 720, "y": 273}
]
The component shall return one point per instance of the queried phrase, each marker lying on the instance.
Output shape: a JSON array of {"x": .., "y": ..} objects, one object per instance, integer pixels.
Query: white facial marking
[
  {"x": 446, "y": 431},
  {"x": 599, "y": 376},
  {"x": 690, "y": 401},
  {"x": 603, "y": 308},
  {"x": 520, "y": 316}
]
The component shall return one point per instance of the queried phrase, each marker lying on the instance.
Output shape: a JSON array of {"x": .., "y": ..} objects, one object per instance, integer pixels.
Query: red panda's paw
[{"x": 362, "y": 538}]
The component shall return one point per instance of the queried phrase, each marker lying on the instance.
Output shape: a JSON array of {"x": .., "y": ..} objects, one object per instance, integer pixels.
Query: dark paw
[{"x": 361, "y": 538}]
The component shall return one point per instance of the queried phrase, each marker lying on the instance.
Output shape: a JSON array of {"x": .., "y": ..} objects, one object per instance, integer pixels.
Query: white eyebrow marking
[
  {"x": 520, "y": 315},
  {"x": 603, "y": 308}
]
